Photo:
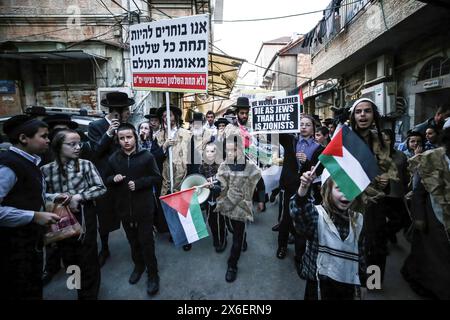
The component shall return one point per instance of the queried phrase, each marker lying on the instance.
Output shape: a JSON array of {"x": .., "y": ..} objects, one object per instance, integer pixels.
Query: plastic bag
[{"x": 66, "y": 227}]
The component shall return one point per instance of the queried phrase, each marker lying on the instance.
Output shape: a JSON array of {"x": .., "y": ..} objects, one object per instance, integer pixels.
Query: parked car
[{"x": 82, "y": 117}]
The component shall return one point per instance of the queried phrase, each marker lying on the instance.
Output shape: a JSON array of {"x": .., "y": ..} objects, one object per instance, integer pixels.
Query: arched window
[{"x": 436, "y": 67}]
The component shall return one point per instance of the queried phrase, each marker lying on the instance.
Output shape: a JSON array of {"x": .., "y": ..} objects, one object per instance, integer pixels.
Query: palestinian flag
[
  {"x": 350, "y": 162},
  {"x": 184, "y": 217}
]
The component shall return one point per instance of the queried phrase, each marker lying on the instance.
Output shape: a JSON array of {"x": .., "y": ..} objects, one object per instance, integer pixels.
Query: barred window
[
  {"x": 436, "y": 67},
  {"x": 72, "y": 73}
]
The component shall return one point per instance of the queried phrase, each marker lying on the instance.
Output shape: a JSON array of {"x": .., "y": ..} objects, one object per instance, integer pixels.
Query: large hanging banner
[
  {"x": 278, "y": 115},
  {"x": 170, "y": 55}
]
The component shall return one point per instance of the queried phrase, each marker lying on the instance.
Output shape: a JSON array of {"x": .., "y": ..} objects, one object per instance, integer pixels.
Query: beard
[{"x": 242, "y": 121}]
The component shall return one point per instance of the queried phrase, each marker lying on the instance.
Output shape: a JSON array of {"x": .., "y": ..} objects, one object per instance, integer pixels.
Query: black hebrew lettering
[
  {"x": 192, "y": 43},
  {"x": 134, "y": 34},
  {"x": 194, "y": 30},
  {"x": 199, "y": 45},
  {"x": 203, "y": 27},
  {"x": 173, "y": 30},
  {"x": 183, "y": 44},
  {"x": 201, "y": 63},
  {"x": 150, "y": 30},
  {"x": 147, "y": 45},
  {"x": 183, "y": 33},
  {"x": 155, "y": 47},
  {"x": 166, "y": 63},
  {"x": 158, "y": 32}
]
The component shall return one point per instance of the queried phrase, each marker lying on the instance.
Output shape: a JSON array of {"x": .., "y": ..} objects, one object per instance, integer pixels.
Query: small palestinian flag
[
  {"x": 350, "y": 162},
  {"x": 184, "y": 217}
]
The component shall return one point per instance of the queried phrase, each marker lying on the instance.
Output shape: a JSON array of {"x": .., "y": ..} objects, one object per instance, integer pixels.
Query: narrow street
[{"x": 200, "y": 273}]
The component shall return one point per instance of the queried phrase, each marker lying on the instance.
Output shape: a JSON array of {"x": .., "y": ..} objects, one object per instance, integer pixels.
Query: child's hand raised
[{"x": 305, "y": 181}]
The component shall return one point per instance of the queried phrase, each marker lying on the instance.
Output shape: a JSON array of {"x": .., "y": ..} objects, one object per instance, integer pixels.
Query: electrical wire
[
  {"x": 287, "y": 16},
  {"x": 114, "y": 1},
  {"x": 56, "y": 30},
  {"x": 106, "y": 7}
]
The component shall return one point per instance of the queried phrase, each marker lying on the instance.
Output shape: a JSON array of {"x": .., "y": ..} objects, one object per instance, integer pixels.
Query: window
[
  {"x": 72, "y": 73},
  {"x": 436, "y": 67}
]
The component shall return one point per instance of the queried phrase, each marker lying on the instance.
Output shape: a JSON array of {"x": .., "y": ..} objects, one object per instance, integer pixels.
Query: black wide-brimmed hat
[
  {"x": 221, "y": 120},
  {"x": 117, "y": 99},
  {"x": 152, "y": 114},
  {"x": 57, "y": 119},
  {"x": 242, "y": 103},
  {"x": 173, "y": 108},
  {"x": 229, "y": 112},
  {"x": 17, "y": 123},
  {"x": 328, "y": 121},
  {"x": 197, "y": 116}
]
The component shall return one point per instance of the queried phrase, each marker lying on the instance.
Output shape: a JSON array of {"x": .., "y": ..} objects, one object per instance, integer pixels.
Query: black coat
[
  {"x": 141, "y": 168},
  {"x": 102, "y": 146},
  {"x": 291, "y": 171},
  {"x": 158, "y": 153}
]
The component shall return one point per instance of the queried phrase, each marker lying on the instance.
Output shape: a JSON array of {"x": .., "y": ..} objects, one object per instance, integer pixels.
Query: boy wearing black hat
[
  {"x": 101, "y": 135},
  {"x": 21, "y": 217},
  {"x": 154, "y": 121}
]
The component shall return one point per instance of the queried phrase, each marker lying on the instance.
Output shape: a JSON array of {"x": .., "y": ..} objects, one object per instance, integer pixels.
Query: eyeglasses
[{"x": 73, "y": 145}]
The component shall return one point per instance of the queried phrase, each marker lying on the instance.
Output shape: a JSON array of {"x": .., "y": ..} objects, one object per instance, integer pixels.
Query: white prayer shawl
[{"x": 338, "y": 259}]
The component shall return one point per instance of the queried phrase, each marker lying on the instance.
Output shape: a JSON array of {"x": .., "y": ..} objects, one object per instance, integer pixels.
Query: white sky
[{"x": 244, "y": 39}]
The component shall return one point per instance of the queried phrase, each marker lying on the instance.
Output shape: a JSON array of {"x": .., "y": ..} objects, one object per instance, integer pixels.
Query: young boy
[
  {"x": 132, "y": 175},
  {"x": 238, "y": 178},
  {"x": 21, "y": 209}
]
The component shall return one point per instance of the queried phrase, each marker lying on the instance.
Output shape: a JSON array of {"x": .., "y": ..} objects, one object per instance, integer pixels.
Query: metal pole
[{"x": 168, "y": 137}]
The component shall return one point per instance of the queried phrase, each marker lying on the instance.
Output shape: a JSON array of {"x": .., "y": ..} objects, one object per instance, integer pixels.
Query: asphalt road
[{"x": 200, "y": 273}]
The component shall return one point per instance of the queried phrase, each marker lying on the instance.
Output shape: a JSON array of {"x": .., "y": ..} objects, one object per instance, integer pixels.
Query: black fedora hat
[
  {"x": 242, "y": 103},
  {"x": 173, "y": 108},
  {"x": 117, "y": 99},
  {"x": 221, "y": 120},
  {"x": 56, "y": 119},
  {"x": 151, "y": 114},
  {"x": 197, "y": 116}
]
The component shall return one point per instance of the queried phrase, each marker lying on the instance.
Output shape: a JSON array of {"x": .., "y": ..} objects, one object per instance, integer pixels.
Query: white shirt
[
  {"x": 212, "y": 128},
  {"x": 10, "y": 216}
]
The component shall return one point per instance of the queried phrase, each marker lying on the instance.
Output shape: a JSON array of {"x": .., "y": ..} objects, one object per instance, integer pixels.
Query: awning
[
  {"x": 222, "y": 75},
  {"x": 50, "y": 55}
]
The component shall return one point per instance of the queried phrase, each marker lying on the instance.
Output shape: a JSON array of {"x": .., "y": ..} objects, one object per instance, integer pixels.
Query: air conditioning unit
[
  {"x": 384, "y": 96},
  {"x": 101, "y": 94},
  {"x": 378, "y": 69}
]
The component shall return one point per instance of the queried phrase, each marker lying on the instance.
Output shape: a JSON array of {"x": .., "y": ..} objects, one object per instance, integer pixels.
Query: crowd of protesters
[{"x": 116, "y": 174}]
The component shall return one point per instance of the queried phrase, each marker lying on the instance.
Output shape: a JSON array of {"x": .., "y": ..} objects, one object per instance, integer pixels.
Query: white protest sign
[
  {"x": 277, "y": 115},
  {"x": 170, "y": 55}
]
